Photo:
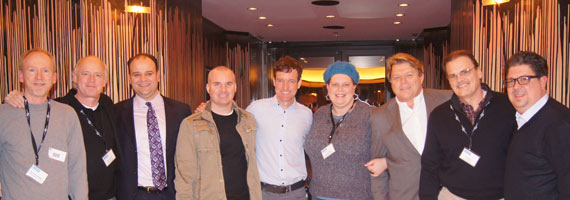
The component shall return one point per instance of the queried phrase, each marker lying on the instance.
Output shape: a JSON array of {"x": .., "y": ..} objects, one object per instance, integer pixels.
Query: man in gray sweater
[{"x": 41, "y": 146}]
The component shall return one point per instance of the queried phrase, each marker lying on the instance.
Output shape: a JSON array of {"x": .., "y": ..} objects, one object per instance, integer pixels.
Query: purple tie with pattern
[{"x": 155, "y": 145}]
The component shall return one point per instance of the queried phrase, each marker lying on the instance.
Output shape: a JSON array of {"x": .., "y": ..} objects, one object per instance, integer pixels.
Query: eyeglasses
[
  {"x": 523, "y": 80},
  {"x": 462, "y": 73}
]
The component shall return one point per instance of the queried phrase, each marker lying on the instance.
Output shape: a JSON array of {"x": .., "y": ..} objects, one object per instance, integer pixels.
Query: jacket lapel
[{"x": 398, "y": 129}]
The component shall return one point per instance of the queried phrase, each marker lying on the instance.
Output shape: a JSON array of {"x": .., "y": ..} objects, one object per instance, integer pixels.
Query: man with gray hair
[
  {"x": 96, "y": 114},
  {"x": 49, "y": 162}
]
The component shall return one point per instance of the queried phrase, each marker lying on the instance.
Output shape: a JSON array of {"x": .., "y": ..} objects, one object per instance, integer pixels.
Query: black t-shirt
[{"x": 234, "y": 163}]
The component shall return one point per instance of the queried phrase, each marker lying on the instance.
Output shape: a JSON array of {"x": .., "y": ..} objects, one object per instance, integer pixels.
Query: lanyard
[
  {"x": 336, "y": 125},
  {"x": 99, "y": 134},
  {"x": 34, "y": 145},
  {"x": 470, "y": 136}
]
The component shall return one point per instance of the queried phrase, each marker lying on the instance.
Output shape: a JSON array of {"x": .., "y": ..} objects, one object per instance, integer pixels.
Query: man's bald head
[
  {"x": 219, "y": 69},
  {"x": 90, "y": 61},
  {"x": 89, "y": 78}
]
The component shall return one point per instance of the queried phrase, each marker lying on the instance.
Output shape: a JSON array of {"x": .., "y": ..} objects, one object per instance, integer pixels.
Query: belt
[
  {"x": 282, "y": 189},
  {"x": 150, "y": 189}
]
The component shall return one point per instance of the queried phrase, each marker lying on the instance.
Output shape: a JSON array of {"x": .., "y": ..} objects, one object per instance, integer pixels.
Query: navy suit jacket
[{"x": 175, "y": 112}]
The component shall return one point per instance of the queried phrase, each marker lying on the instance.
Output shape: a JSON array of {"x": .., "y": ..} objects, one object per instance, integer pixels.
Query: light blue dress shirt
[{"x": 280, "y": 140}]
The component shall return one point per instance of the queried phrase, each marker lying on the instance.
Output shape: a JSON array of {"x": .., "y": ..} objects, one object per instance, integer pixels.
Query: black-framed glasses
[
  {"x": 522, "y": 80},
  {"x": 460, "y": 73}
]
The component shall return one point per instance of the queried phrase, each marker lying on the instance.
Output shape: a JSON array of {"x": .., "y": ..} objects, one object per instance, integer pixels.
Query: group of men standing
[
  {"x": 478, "y": 144},
  {"x": 127, "y": 150},
  {"x": 474, "y": 143}
]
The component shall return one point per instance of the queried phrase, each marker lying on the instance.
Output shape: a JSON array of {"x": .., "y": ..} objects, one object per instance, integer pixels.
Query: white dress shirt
[
  {"x": 414, "y": 121},
  {"x": 140, "y": 110},
  {"x": 523, "y": 118},
  {"x": 280, "y": 140}
]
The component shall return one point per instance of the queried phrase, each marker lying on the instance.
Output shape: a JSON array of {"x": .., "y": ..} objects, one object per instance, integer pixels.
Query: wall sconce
[
  {"x": 137, "y": 9},
  {"x": 494, "y": 2}
]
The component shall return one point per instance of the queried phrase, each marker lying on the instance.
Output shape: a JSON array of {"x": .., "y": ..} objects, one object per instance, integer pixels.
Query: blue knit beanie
[{"x": 341, "y": 68}]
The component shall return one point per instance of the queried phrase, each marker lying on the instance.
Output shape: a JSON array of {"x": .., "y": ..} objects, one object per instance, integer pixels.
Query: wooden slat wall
[
  {"x": 71, "y": 30},
  {"x": 529, "y": 25}
]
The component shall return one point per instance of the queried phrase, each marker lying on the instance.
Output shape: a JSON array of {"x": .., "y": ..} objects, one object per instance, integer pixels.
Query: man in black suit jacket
[
  {"x": 142, "y": 173},
  {"x": 537, "y": 161}
]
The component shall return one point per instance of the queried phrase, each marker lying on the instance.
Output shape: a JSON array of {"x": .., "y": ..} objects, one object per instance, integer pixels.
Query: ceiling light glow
[
  {"x": 400, "y": 15},
  {"x": 262, "y": 17},
  {"x": 397, "y": 22},
  {"x": 329, "y": 16},
  {"x": 270, "y": 25},
  {"x": 252, "y": 8},
  {"x": 403, "y": 5}
]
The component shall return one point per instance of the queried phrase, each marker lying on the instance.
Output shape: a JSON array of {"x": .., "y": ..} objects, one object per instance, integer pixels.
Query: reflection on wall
[
  {"x": 531, "y": 25},
  {"x": 74, "y": 29}
]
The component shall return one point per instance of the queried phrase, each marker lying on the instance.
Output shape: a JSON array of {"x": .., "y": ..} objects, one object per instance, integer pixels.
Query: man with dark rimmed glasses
[
  {"x": 537, "y": 162},
  {"x": 467, "y": 137}
]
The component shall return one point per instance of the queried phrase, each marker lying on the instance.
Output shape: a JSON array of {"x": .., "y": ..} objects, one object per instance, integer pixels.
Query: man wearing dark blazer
[
  {"x": 148, "y": 126},
  {"x": 537, "y": 161},
  {"x": 399, "y": 130}
]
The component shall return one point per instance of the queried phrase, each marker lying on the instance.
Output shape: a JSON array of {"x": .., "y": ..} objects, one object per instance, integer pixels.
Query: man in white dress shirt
[{"x": 282, "y": 125}]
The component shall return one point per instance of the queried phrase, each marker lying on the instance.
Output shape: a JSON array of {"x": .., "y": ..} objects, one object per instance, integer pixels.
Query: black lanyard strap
[
  {"x": 469, "y": 135},
  {"x": 100, "y": 135},
  {"x": 34, "y": 145},
  {"x": 336, "y": 125}
]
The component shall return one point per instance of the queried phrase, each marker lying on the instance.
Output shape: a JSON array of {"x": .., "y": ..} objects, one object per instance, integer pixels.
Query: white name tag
[
  {"x": 327, "y": 151},
  {"x": 109, "y": 157},
  {"x": 57, "y": 154},
  {"x": 469, "y": 157},
  {"x": 37, "y": 174}
]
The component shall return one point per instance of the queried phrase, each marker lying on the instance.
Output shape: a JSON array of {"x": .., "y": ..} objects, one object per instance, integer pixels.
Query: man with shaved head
[
  {"x": 215, "y": 156},
  {"x": 42, "y": 155},
  {"x": 95, "y": 112}
]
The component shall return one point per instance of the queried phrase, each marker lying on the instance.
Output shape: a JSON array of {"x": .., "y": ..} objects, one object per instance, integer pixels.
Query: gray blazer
[{"x": 402, "y": 179}]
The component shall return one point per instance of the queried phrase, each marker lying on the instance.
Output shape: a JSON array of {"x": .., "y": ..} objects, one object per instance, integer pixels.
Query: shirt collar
[
  {"x": 417, "y": 100},
  {"x": 157, "y": 102},
  {"x": 532, "y": 110},
  {"x": 275, "y": 102}
]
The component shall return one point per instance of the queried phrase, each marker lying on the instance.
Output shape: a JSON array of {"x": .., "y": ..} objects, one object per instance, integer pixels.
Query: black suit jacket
[
  {"x": 175, "y": 112},
  {"x": 538, "y": 166}
]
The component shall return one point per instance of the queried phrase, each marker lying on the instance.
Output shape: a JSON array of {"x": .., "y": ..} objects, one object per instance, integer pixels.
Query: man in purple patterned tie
[{"x": 148, "y": 125}]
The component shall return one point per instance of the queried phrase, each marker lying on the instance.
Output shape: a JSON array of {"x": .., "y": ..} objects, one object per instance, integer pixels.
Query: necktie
[{"x": 155, "y": 145}]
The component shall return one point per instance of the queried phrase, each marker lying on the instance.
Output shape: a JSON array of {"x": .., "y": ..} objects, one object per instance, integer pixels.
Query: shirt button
[
  {"x": 281, "y": 169},
  {"x": 280, "y": 140},
  {"x": 280, "y": 155},
  {"x": 281, "y": 125},
  {"x": 284, "y": 111}
]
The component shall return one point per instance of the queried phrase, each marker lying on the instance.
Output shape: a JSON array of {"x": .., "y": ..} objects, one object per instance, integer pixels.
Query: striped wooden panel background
[
  {"x": 433, "y": 59},
  {"x": 73, "y": 30},
  {"x": 529, "y": 25}
]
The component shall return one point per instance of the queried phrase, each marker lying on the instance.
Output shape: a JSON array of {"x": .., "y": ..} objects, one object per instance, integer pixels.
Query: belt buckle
[{"x": 148, "y": 190}]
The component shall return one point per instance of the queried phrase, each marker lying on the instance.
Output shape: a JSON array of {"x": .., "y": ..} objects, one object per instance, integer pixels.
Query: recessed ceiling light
[
  {"x": 397, "y": 22},
  {"x": 397, "y": 40},
  {"x": 269, "y": 42},
  {"x": 252, "y": 8},
  {"x": 329, "y": 16},
  {"x": 403, "y": 5},
  {"x": 333, "y": 27},
  {"x": 262, "y": 17},
  {"x": 400, "y": 15},
  {"x": 270, "y": 25},
  {"x": 325, "y": 2}
]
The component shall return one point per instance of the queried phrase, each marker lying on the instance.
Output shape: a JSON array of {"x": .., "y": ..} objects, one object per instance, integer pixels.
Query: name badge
[
  {"x": 57, "y": 154},
  {"x": 109, "y": 157},
  {"x": 327, "y": 151},
  {"x": 37, "y": 174},
  {"x": 469, "y": 157}
]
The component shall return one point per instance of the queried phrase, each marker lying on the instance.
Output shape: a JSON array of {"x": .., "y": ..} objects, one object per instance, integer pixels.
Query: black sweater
[
  {"x": 538, "y": 164},
  {"x": 445, "y": 140},
  {"x": 102, "y": 180}
]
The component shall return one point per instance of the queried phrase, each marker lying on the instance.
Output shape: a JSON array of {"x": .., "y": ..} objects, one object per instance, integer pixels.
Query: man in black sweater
[
  {"x": 537, "y": 163},
  {"x": 95, "y": 112},
  {"x": 467, "y": 137}
]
